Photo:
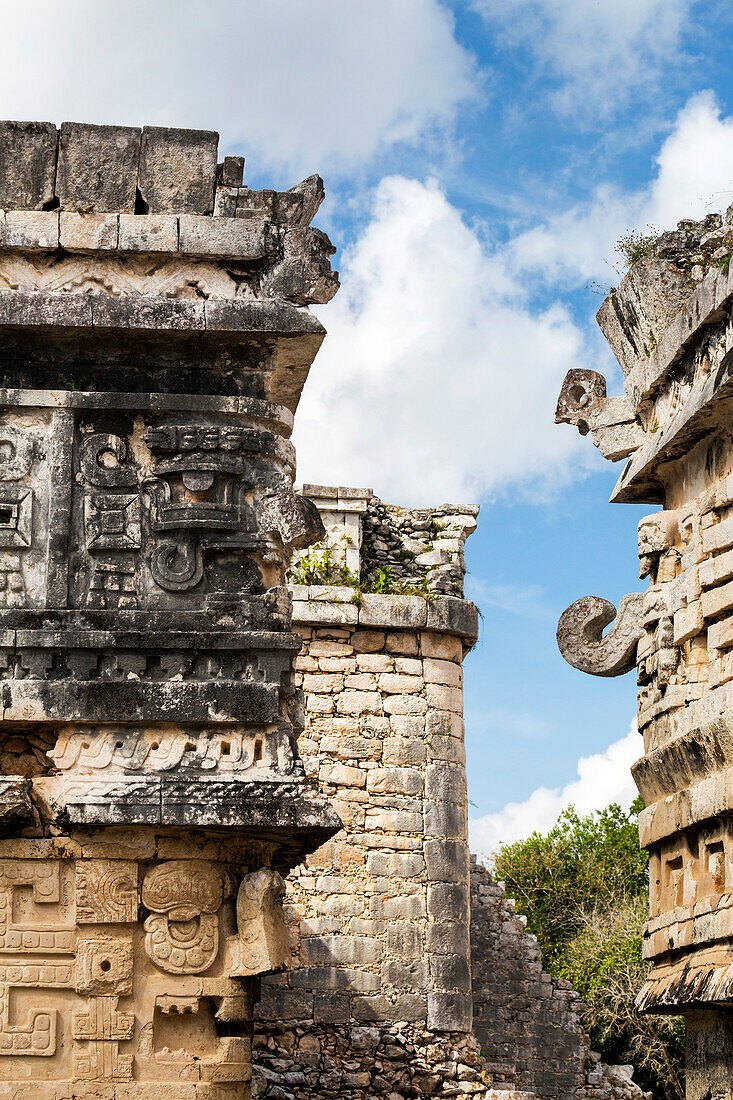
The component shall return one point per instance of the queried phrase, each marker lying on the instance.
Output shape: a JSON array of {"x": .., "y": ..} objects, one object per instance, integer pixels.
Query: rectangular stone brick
[
  {"x": 32, "y": 230},
  {"x": 447, "y": 902},
  {"x": 397, "y": 865},
  {"x": 398, "y": 683},
  {"x": 345, "y": 949},
  {"x": 403, "y": 750},
  {"x": 442, "y": 672},
  {"x": 284, "y": 1004},
  {"x": 359, "y": 702},
  {"x": 335, "y": 977},
  {"x": 441, "y": 697},
  {"x": 97, "y": 168},
  {"x": 27, "y": 164},
  {"x": 444, "y": 784},
  {"x": 224, "y": 239},
  {"x": 361, "y": 681},
  {"x": 402, "y": 611},
  {"x": 401, "y": 908},
  {"x": 342, "y": 775},
  {"x": 408, "y": 1008},
  {"x": 178, "y": 170},
  {"x": 445, "y": 819},
  {"x": 446, "y": 647},
  {"x": 405, "y": 704},
  {"x": 88, "y": 232},
  {"x": 148, "y": 233},
  {"x": 394, "y": 781},
  {"x": 450, "y": 1011},
  {"x": 451, "y": 972}
]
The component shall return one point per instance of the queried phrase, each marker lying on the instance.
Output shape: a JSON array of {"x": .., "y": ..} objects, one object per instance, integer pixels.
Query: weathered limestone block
[
  {"x": 97, "y": 167},
  {"x": 27, "y": 165},
  {"x": 177, "y": 170},
  {"x": 634, "y": 317}
]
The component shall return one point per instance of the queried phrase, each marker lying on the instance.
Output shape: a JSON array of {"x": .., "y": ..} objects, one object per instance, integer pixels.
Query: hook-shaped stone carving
[{"x": 582, "y": 641}]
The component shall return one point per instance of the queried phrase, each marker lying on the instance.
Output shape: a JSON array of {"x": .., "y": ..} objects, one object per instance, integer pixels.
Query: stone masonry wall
[
  {"x": 378, "y": 1002},
  {"x": 526, "y": 1022}
]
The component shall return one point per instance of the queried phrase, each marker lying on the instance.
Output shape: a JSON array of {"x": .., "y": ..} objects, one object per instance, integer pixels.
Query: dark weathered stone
[
  {"x": 178, "y": 170},
  {"x": 97, "y": 167},
  {"x": 27, "y": 165},
  {"x": 230, "y": 173}
]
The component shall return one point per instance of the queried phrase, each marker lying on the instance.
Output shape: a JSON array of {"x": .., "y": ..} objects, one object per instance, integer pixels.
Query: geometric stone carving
[
  {"x": 112, "y": 521},
  {"x": 104, "y": 964},
  {"x": 16, "y": 517},
  {"x": 106, "y": 891},
  {"x": 182, "y": 932}
]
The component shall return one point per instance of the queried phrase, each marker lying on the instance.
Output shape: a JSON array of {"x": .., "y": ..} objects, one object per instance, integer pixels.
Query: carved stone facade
[
  {"x": 155, "y": 337},
  {"x": 669, "y": 323}
]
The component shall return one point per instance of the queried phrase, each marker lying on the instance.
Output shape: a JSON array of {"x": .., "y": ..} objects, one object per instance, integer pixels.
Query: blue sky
[{"x": 481, "y": 161}]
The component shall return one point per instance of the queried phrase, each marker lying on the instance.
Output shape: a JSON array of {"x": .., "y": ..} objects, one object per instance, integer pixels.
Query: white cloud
[
  {"x": 603, "y": 778},
  {"x": 437, "y": 380},
  {"x": 317, "y": 86},
  {"x": 597, "y": 53},
  {"x": 693, "y": 175},
  {"x": 528, "y": 601}
]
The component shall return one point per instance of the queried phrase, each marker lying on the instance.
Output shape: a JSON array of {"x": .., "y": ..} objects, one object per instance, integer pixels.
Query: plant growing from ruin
[
  {"x": 634, "y": 245},
  {"x": 583, "y": 887}
]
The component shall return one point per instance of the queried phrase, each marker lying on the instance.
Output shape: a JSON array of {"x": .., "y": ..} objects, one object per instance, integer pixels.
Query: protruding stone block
[
  {"x": 97, "y": 168},
  {"x": 178, "y": 170},
  {"x": 27, "y": 164}
]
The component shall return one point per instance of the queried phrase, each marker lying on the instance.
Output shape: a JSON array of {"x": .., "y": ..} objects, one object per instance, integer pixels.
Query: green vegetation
[
  {"x": 583, "y": 887},
  {"x": 319, "y": 567},
  {"x": 635, "y": 244}
]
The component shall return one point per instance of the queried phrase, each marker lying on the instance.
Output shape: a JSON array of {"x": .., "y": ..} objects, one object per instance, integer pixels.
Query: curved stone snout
[
  {"x": 583, "y": 644},
  {"x": 610, "y": 420}
]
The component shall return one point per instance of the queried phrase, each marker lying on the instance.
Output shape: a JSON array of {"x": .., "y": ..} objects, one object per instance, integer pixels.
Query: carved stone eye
[{"x": 198, "y": 481}]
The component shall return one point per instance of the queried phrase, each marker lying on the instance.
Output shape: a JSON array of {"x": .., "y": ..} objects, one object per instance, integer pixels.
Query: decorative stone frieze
[
  {"x": 669, "y": 323},
  {"x": 153, "y": 355}
]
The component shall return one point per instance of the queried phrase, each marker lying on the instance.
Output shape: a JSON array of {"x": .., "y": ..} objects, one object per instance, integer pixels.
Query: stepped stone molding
[
  {"x": 154, "y": 347},
  {"x": 669, "y": 323}
]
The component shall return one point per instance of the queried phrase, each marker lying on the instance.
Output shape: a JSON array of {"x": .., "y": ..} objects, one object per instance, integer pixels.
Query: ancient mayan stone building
[
  {"x": 155, "y": 337},
  {"x": 669, "y": 324}
]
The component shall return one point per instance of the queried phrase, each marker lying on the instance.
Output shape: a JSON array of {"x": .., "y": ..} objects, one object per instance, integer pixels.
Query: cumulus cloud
[
  {"x": 596, "y": 53},
  {"x": 437, "y": 380},
  {"x": 309, "y": 87},
  {"x": 693, "y": 175},
  {"x": 602, "y": 778}
]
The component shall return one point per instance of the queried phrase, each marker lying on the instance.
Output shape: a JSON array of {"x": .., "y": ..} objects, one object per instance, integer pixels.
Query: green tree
[{"x": 583, "y": 887}]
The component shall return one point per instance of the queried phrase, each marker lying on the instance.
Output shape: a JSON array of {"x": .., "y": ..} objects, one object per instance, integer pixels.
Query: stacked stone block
[{"x": 525, "y": 1021}]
